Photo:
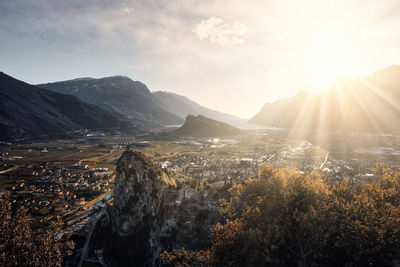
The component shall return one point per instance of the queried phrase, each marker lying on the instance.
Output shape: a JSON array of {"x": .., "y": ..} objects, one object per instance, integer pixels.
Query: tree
[
  {"x": 285, "y": 218},
  {"x": 26, "y": 241}
]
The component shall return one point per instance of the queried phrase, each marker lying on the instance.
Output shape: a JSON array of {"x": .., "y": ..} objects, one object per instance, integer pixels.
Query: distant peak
[
  {"x": 303, "y": 93},
  {"x": 393, "y": 66},
  {"x": 191, "y": 117},
  {"x": 164, "y": 92},
  {"x": 82, "y": 79},
  {"x": 392, "y": 69},
  {"x": 117, "y": 77}
]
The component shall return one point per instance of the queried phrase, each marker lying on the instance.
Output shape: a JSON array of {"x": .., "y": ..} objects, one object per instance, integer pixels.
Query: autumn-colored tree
[
  {"x": 182, "y": 258},
  {"x": 286, "y": 218},
  {"x": 367, "y": 218},
  {"x": 25, "y": 241}
]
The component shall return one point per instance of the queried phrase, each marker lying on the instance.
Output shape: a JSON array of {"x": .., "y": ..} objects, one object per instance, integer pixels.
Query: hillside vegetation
[{"x": 285, "y": 218}]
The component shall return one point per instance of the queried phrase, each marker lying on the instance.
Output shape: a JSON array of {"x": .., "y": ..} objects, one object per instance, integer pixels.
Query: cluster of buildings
[
  {"x": 74, "y": 192},
  {"x": 53, "y": 190},
  {"x": 222, "y": 161},
  {"x": 214, "y": 167}
]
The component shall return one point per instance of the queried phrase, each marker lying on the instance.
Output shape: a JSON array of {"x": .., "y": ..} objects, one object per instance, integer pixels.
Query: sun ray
[
  {"x": 364, "y": 108},
  {"x": 301, "y": 121}
]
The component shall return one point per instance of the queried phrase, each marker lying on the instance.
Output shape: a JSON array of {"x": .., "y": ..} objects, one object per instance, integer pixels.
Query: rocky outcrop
[
  {"x": 200, "y": 126},
  {"x": 138, "y": 194},
  {"x": 153, "y": 211}
]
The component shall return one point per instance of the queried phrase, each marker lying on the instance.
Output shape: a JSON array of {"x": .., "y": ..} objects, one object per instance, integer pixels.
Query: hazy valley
[
  {"x": 218, "y": 133},
  {"x": 135, "y": 178}
]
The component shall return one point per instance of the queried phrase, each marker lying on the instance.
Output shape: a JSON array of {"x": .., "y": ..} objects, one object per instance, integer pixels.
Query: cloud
[
  {"x": 128, "y": 9},
  {"x": 255, "y": 44},
  {"x": 217, "y": 31}
]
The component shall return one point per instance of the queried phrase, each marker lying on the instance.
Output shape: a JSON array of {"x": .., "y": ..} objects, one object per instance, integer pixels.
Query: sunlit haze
[
  {"x": 232, "y": 56},
  {"x": 199, "y": 133}
]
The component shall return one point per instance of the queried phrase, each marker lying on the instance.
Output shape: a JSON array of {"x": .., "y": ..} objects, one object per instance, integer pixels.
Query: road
[
  {"x": 273, "y": 155},
  {"x": 326, "y": 159},
  {"x": 92, "y": 227},
  {"x": 89, "y": 205},
  {"x": 97, "y": 199},
  {"x": 9, "y": 169}
]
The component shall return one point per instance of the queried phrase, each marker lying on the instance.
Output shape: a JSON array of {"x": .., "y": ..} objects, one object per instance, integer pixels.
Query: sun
[{"x": 331, "y": 58}]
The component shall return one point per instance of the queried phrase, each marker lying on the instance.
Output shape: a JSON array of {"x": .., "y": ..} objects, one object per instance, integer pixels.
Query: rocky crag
[{"x": 153, "y": 210}]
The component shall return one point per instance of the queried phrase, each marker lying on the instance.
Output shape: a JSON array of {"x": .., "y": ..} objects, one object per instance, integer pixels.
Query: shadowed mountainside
[
  {"x": 29, "y": 111},
  {"x": 130, "y": 98},
  {"x": 134, "y": 100}
]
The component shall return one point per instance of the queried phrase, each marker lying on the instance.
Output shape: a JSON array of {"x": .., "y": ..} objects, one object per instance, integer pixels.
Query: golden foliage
[
  {"x": 288, "y": 218},
  {"x": 28, "y": 242}
]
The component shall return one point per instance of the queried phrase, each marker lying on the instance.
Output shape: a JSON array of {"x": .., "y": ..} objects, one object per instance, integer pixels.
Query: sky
[{"x": 229, "y": 55}]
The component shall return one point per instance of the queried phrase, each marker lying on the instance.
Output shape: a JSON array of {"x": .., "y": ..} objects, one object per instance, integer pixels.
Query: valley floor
[{"x": 74, "y": 178}]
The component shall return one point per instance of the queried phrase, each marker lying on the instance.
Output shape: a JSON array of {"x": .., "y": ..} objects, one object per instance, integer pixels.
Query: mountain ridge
[
  {"x": 29, "y": 111},
  {"x": 189, "y": 107},
  {"x": 367, "y": 103},
  {"x": 133, "y": 99},
  {"x": 121, "y": 94}
]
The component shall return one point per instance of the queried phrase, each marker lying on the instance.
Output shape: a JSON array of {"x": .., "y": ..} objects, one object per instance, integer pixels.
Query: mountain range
[
  {"x": 28, "y": 111},
  {"x": 120, "y": 94},
  {"x": 182, "y": 106},
  {"x": 134, "y": 100},
  {"x": 114, "y": 103},
  {"x": 369, "y": 103}
]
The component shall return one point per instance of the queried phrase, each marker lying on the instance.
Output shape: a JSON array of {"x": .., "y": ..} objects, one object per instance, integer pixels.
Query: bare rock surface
[{"x": 153, "y": 211}]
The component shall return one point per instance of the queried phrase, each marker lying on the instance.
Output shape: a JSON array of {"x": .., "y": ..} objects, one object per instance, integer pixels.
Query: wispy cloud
[
  {"x": 128, "y": 9},
  {"x": 173, "y": 45},
  {"x": 216, "y": 30}
]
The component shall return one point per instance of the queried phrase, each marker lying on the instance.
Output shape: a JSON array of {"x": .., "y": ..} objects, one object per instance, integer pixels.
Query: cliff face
[
  {"x": 139, "y": 190},
  {"x": 153, "y": 211}
]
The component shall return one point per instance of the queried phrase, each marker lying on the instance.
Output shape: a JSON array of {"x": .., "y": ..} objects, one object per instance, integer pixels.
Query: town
[{"x": 73, "y": 179}]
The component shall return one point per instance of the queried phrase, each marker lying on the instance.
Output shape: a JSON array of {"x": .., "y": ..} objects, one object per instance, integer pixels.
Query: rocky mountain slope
[
  {"x": 131, "y": 99},
  {"x": 183, "y": 106},
  {"x": 134, "y": 100},
  {"x": 152, "y": 211},
  {"x": 199, "y": 126},
  {"x": 28, "y": 111},
  {"x": 368, "y": 103}
]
